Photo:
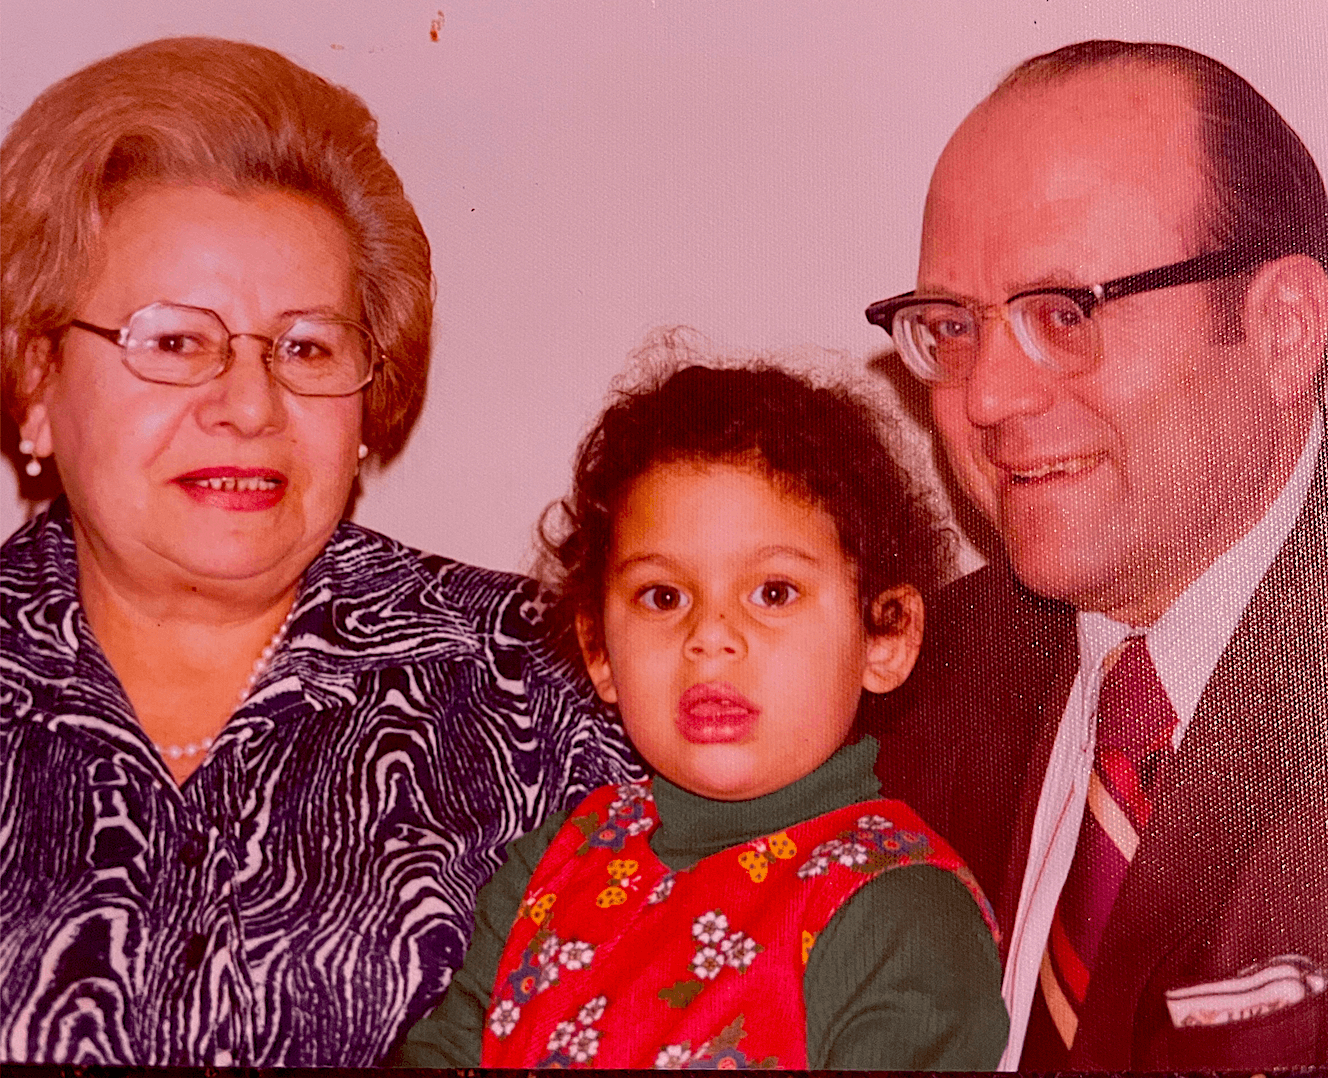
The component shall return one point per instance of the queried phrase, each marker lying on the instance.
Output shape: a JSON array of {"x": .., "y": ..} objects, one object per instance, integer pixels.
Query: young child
[{"x": 742, "y": 556}]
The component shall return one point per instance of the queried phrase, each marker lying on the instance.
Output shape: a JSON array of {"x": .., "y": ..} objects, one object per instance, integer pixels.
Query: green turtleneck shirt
[{"x": 904, "y": 977}]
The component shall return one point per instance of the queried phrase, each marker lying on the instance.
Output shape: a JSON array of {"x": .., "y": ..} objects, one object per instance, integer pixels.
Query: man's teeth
[
  {"x": 231, "y": 483},
  {"x": 1071, "y": 466}
]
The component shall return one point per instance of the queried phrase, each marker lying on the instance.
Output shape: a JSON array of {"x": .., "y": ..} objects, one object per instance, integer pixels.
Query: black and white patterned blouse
[{"x": 306, "y": 894}]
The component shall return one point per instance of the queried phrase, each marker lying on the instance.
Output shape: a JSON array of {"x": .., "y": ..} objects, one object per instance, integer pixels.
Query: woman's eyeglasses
[{"x": 314, "y": 355}]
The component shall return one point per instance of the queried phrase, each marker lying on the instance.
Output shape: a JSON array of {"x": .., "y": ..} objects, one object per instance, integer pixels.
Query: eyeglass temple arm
[
  {"x": 115, "y": 336},
  {"x": 1208, "y": 267}
]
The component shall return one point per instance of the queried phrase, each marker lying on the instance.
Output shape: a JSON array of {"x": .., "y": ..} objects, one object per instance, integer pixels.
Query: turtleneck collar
[{"x": 693, "y": 827}]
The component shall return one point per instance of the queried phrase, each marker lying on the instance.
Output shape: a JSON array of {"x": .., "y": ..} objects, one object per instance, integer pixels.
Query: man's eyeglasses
[
  {"x": 314, "y": 355},
  {"x": 939, "y": 338}
]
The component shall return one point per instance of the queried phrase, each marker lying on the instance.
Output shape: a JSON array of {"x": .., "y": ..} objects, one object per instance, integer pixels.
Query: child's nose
[{"x": 714, "y": 634}]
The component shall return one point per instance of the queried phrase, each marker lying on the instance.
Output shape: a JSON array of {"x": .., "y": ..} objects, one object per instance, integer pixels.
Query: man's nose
[
  {"x": 1005, "y": 382},
  {"x": 714, "y": 634}
]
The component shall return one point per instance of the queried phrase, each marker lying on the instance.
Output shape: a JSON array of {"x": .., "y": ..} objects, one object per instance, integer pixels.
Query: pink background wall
[{"x": 590, "y": 170}]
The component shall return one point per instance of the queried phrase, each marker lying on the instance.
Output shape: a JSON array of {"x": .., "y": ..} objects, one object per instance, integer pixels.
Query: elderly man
[{"x": 1122, "y": 316}]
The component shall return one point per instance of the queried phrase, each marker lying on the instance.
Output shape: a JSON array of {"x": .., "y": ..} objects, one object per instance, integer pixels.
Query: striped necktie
[{"x": 1135, "y": 720}]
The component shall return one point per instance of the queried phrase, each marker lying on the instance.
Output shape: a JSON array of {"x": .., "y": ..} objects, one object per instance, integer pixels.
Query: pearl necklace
[{"x": 264, "y": 660}]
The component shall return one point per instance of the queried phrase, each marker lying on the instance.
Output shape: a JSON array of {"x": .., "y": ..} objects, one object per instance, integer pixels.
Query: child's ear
[
  {"x": 596, "y": 659},
  {"x": 891, "y": 655}
]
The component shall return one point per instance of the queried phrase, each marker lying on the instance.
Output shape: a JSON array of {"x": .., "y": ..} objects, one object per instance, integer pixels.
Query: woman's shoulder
[
  {"x": 38, "y": 562},
  {"x": 476, "y": 640},
  {"x": 39, "y": 634},
  {"x": 368, "y": 582},
  {"x": 364, "y": 560},
  {"x": 46, "y": 535}
]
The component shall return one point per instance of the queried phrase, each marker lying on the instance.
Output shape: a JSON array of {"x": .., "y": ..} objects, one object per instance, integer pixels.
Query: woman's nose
[{"x": 245, "y": 396}]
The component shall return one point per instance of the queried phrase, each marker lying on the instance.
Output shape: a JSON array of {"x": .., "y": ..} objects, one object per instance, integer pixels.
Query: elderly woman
[{"x": 254, "y": 760}]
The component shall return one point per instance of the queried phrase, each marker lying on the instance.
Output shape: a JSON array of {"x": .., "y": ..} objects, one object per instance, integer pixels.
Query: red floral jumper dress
[{"x": 615, "y": 960}]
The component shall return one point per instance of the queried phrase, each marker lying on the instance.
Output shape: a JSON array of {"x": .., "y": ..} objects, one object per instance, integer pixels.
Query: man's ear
[
  {"x": 35, "y": 426},
  {"x": 891, "y": 655},
  {"x": 596, "y": 659},
  {"x": 1286, "y": 321}
]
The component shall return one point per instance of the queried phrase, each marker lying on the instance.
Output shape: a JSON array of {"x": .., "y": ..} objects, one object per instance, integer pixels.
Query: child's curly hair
[{"x": 822, "y": 443}]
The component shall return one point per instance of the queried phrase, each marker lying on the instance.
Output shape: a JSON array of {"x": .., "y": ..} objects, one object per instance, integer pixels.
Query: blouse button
[
  {"x": 194, "y": 951},
  {"x": 193, "y": 850},
  {"x": 223, "y": 1058}
]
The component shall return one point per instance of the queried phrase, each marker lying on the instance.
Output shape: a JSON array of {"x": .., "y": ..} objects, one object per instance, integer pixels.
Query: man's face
[{"x": 1115, "y": 488}]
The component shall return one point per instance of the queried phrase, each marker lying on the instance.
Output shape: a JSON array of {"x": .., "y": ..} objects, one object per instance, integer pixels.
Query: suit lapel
[
  {"x": 1243, "y": 753},
  {"x": 1044, "y": 712}
]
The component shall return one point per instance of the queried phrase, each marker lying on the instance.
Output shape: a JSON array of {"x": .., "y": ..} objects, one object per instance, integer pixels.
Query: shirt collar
[{"x": 1188, "y": 639}]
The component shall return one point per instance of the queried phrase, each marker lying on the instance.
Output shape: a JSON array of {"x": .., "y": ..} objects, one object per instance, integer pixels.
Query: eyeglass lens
[
  {"x": 314, "y": 356},
  {"x": 940, "y": 340}
]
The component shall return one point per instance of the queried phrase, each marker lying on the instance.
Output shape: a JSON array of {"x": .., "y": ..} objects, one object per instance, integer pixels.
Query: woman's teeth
[{"x": 230, "y": 483}]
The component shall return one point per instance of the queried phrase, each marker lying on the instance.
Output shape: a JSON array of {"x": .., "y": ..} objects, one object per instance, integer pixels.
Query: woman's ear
[
  {"x": 35, "y": 426},
  {"x": 596, "y": 659},
  {"x": 891, "y": 655}
]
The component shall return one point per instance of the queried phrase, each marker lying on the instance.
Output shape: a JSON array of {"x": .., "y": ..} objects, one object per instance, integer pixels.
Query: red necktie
[{"x": 1135, "y": 720}]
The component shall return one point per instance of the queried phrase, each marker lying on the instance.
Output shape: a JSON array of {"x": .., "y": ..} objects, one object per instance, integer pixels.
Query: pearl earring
[
  {"x": 28, "y": 449},
  {"x": 363, "y": 451}
]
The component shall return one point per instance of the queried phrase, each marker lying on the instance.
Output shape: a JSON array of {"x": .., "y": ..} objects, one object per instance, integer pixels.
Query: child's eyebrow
[
  {"x": 640, "y": 559},
  {"x": 780, "y": 551},
  {"x": 661, "y": 560},
  {"x": 765, "y": 553}
]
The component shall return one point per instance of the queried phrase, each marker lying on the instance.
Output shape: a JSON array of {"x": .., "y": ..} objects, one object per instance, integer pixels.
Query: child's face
[{"x": 733, "y": 642}]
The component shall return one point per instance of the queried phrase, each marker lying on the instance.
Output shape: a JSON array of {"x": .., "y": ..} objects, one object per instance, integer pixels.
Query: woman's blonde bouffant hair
[{"x": 223, "y": 114}]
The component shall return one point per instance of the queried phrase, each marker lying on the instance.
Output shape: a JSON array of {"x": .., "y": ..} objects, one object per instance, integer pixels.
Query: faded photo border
[{"x": 588, "y": 174}]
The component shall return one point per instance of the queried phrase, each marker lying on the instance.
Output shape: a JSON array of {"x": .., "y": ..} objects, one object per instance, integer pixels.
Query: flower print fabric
[{"x": 696, "y": 968}]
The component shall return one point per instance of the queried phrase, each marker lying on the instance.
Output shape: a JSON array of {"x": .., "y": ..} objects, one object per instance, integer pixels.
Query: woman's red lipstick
[
  {"x": 232, "y": 487},
  {"x": 715, "y": 712}
]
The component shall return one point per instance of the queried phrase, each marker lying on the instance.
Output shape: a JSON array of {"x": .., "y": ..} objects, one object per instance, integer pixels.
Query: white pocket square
[{"x": 1256, "y": 990}]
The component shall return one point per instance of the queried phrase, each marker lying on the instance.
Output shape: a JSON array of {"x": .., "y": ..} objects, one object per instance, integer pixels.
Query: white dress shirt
[{"x": 1185, "y": 644}]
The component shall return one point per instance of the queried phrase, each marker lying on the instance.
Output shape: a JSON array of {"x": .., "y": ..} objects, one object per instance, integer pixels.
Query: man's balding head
[{"x": 1264, "y": 189}]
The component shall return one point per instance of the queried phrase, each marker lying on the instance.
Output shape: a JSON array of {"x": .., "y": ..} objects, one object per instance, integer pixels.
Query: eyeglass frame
[
  {"x": 227, "y": 357},
  {"x": 1213, "y": 266}
]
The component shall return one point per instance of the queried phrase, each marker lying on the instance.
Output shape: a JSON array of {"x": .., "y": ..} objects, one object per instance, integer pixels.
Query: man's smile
[{"x": 1053, "y": 468}]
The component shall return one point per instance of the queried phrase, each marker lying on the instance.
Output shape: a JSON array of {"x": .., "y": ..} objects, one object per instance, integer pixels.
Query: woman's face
[{"x": 142, "y": 462}]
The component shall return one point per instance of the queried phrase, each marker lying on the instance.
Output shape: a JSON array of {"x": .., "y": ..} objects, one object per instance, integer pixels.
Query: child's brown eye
[
  {"x": 662, "y": 597},
  {"x": 774, "y": 593}
]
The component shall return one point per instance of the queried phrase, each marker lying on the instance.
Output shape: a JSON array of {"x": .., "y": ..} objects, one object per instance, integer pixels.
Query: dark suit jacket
[{"x": 1231, "y": 873}]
